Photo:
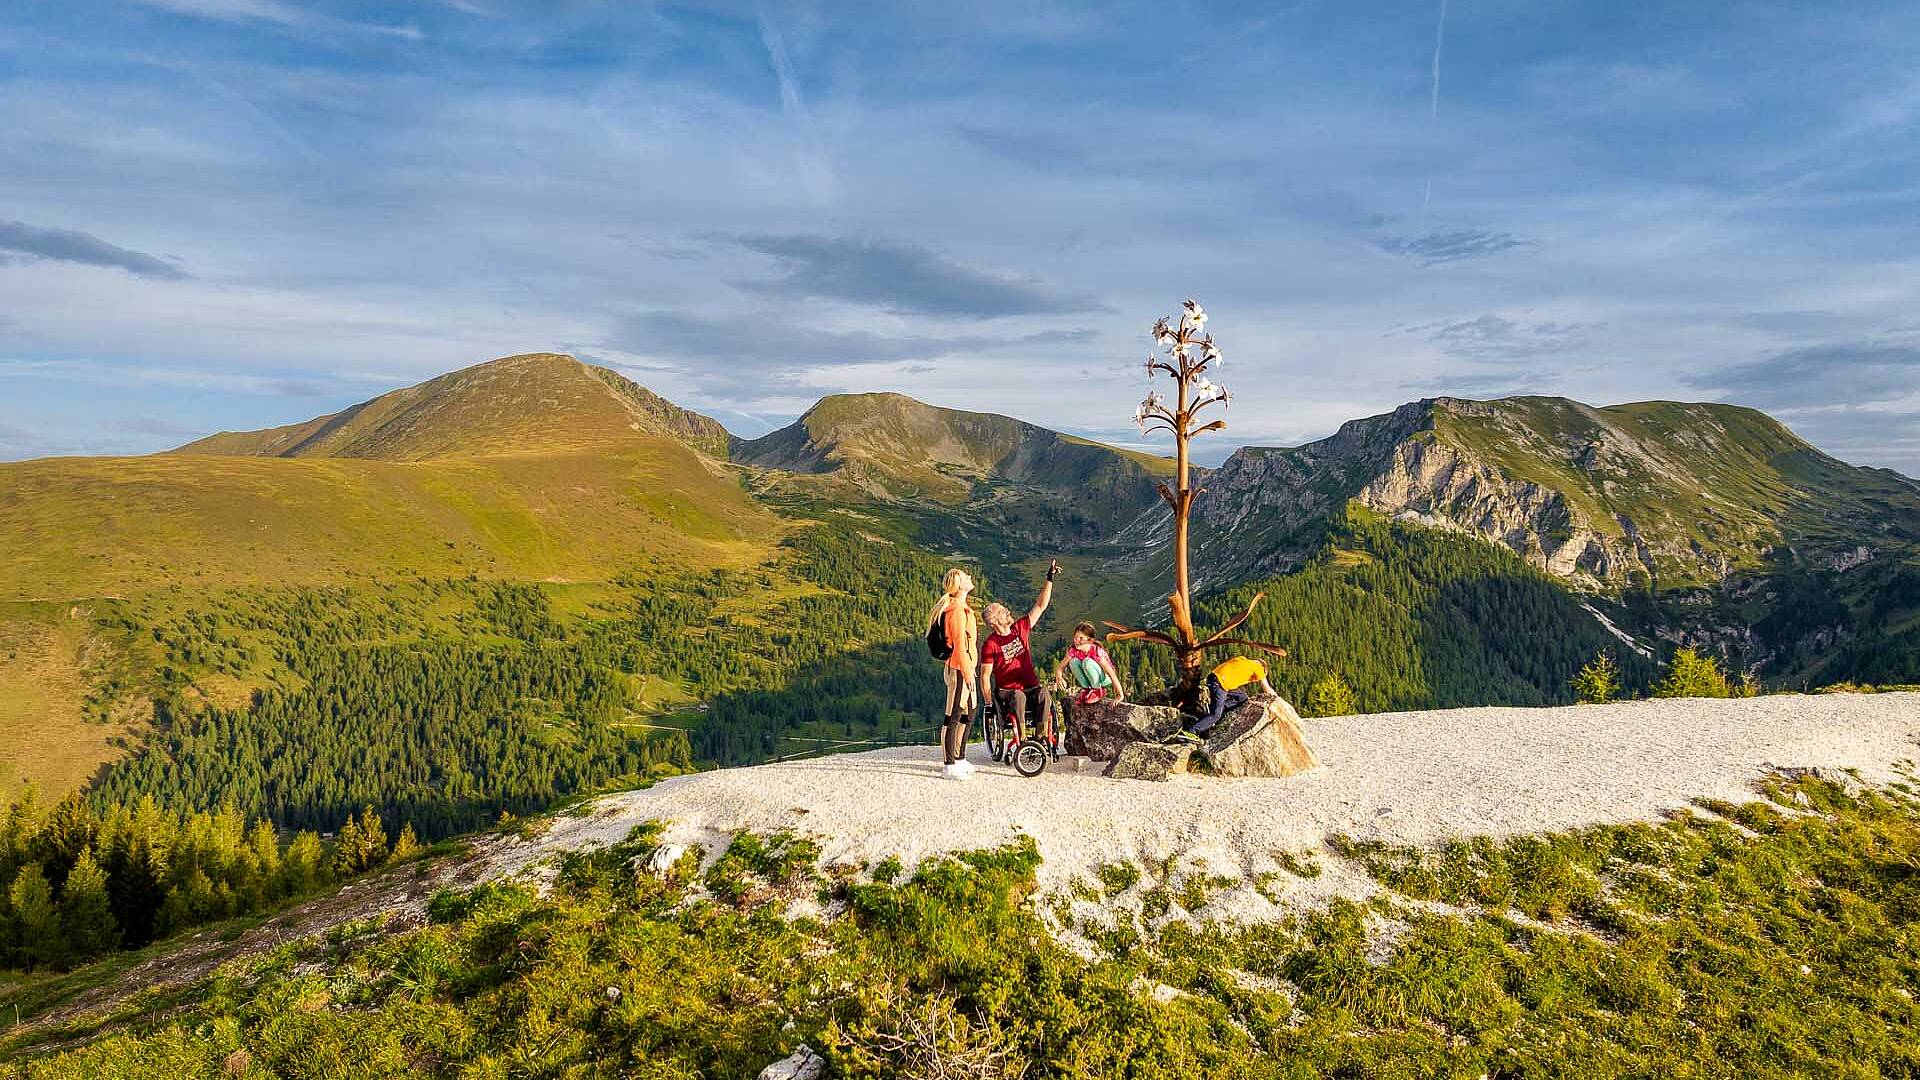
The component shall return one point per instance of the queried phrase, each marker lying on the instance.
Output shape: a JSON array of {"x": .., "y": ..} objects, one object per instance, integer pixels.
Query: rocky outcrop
[
  {"x": 1150, "y": 761},
  {"x": 1439, "y": 486},
  {"x": 803, "y": 1064},
  {"x": 1260, "y": 738},
  {"x": 1101, "y": 730},
  {"x": 1670, "y": 494}
]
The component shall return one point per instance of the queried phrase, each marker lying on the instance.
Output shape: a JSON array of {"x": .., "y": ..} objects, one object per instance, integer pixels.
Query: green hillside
[
  {"x": 517, "y": 404},
  {"x": 76, "y": 528},
  {"x": 1415, "y": 618},
  {"x": 529, "y": 469},
  {"x": 1721, "y": 483},
  {"x": 1019, "y": 478}
]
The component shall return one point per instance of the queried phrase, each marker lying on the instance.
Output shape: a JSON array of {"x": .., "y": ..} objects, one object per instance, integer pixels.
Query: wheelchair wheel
[
  {"x": 1029, "y": 758},
  {"x": 995, "y": 732}
]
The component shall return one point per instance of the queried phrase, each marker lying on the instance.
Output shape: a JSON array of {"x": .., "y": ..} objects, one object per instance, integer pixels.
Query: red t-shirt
[{"x": 1011, "y": 655}]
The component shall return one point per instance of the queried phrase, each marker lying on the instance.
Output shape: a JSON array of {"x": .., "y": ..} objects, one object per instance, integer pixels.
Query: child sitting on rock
[{"x": 1094, "y": 676}]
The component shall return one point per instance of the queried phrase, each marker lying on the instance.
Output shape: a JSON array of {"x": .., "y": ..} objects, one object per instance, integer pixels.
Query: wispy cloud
[
  {"x": 1494, "y": 338},
  {"x": 1485, "y": 384},
  {"x": 815, "y": 170},
  {"x": 1452, "y": 245},
  {"x": 1879, "y": 375},
  {"x": 749, "y": 352},
  {"x": 186, "y": 378},
  {"x": 276, "y": 13},
  {"x": 72, "y": 246},
  {"x": 160, "y": 426},
  {"x": 899, "y": 277}
]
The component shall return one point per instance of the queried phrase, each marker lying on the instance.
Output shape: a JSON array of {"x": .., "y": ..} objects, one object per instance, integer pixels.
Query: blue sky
[{"x": 234, "y": 213}]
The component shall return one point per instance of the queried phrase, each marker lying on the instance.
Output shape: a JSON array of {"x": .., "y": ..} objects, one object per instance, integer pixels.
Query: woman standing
[{"x": 962, "y": 632}]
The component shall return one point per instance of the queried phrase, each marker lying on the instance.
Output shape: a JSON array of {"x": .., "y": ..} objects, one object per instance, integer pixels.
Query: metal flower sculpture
[{"x": 1187, "y": 353}]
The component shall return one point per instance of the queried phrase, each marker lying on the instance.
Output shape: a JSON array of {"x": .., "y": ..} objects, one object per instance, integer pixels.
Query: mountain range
[{"x": 167, "y": 578}]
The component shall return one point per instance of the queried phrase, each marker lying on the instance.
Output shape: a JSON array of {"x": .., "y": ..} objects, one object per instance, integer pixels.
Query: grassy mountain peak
[
  {"x": 529, "y": 402},
  {"x": 903, "y": 444},
  {"x": 959, "y": 473}
]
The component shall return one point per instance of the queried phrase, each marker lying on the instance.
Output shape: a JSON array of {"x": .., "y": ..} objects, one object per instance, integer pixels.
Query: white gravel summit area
[{"x": 1412, "y": 777}]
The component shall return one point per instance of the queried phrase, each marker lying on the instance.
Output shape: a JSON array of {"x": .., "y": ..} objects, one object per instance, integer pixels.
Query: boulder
[
  {"x": 1150, "y": 761},
  {"x": 1260, "y": 738},
  {"x": 661, "y": 861},
  {"x": 1099, "y": 730},
  {"x": 802, "y": 1064}
]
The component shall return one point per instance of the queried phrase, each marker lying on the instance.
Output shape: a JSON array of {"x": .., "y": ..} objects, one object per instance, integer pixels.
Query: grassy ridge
[
  {"x": 517, "y": 404},
  {"x": 88, "y": 527},
  {"x": 1718, "y": 482}
]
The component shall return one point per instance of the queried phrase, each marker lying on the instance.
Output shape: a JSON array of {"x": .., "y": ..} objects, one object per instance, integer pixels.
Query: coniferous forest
[{"x": 77, "y": 882}]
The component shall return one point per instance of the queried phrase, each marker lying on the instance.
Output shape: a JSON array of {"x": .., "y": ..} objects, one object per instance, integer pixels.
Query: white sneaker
[
  {"x": 954, "y": 772},
  {"x": 965, "y": 766}
]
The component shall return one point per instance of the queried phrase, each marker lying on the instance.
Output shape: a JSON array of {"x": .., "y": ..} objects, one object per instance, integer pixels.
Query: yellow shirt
[{"x": 1238, "y": 672}]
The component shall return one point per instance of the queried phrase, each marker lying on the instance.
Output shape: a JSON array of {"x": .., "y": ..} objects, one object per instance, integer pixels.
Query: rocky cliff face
[{"x": 1657, "y": 493}]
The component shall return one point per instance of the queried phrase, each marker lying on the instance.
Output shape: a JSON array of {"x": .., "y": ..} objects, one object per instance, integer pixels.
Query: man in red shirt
[{"x": 1006, "y": 657}]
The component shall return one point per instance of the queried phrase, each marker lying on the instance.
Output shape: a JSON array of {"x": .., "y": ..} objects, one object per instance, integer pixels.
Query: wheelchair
[{"x": 1016, "y": 742}]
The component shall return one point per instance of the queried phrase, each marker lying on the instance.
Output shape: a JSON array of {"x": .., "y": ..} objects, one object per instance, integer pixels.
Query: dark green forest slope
[{"x": 1413, "y": 618}]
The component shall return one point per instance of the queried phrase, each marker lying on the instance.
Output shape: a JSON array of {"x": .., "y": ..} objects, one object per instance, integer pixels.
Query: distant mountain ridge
[
  {"x": 1661, "y": 493},
  {"x": 533, "y": 401},
  {"x": 1714, "y": 524},
  {"x": 893, "y": 447}
]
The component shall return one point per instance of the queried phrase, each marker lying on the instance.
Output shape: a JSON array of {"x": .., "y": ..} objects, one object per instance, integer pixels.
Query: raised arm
[{"x": 1046, "y": 594}]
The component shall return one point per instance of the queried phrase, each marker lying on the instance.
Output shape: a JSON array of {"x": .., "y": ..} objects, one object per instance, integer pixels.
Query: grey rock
[
  {"x": 662, "y": 859},
  {"x": 1150, "y": 761},
  {"x": 1260, "y": 738},
  {"x": 1100, "y": 730},
  {"x": 802, "y": 1064}
]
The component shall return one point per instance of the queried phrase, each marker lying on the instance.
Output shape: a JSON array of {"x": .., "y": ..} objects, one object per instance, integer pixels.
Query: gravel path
[{"x": 1415, "y": 777}]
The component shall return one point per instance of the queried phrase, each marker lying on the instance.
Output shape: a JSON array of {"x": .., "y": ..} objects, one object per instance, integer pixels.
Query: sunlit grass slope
[
  {"x": 535, "y": 401},
  {"x": 50, "y": 657},
  {"x": 86, "y": 527}
]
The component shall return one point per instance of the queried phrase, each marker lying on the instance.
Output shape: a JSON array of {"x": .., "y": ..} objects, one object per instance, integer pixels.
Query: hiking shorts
[{"x": 959, "y": 691}]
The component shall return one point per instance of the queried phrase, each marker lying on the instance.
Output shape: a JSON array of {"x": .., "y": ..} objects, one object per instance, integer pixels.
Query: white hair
[{"x": 999, "y": 607}]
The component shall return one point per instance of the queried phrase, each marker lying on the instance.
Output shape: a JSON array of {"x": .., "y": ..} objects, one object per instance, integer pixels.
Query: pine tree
[
  {"x": 304, "y": 866},
  {"x": 362, "y": 844},
  {"x": 1599, "y": 681},
  {"x": 407, "y": 847},
  {"x": 1691, "y": 675},
  {"x": 70, "y": 828},
  {"x": 86, "y": 915},
  {"x": 36, "y": 922},
  {"x": 1331, "y": 696}
]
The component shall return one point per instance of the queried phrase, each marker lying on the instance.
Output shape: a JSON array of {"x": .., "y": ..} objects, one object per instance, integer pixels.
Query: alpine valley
[{"x": 533, "y": 578}]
